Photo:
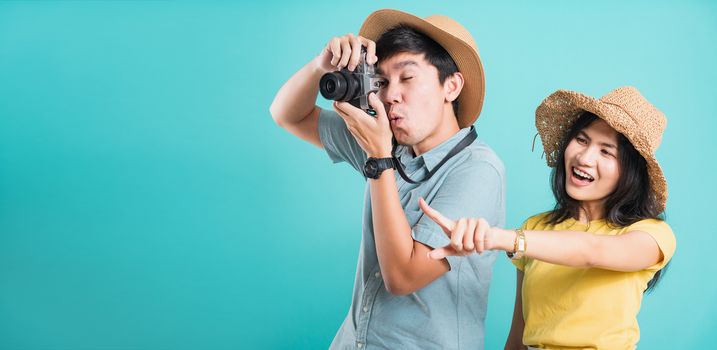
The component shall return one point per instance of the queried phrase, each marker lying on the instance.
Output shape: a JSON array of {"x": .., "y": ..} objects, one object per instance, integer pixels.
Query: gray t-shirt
[{"x": 448, "y": 313}]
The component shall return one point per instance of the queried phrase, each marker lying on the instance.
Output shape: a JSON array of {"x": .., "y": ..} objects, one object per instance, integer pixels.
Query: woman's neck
[{"x": 589, "y": 211}]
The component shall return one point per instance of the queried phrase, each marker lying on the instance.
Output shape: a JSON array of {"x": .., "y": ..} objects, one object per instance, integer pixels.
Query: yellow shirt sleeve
[{"x": 662, "y": 234}]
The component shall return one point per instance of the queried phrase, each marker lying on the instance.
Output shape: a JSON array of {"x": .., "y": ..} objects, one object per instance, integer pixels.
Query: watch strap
[{"x": 381, "y": 165}]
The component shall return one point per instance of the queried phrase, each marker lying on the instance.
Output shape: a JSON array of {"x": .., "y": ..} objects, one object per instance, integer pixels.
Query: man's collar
[{"x": 436, "y": 154}]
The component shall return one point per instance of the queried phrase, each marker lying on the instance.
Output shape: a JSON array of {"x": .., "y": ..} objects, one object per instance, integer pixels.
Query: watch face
[{"x": 370, "y": 168}]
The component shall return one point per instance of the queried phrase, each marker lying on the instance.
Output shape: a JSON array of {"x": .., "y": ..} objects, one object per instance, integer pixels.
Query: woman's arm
[
  {"x": 632, "y": 251},
  {"x": 515, "y": 337}
]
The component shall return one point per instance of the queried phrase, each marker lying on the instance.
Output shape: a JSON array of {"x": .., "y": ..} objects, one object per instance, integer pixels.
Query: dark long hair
[{"x": 631, "y": 201}]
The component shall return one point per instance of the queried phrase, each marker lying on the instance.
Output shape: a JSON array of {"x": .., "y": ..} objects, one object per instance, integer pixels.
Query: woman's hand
[{"x": 468, "y": 235}]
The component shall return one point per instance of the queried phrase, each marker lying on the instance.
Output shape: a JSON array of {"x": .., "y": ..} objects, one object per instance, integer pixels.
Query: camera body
[{"x": 353, "y": 87}]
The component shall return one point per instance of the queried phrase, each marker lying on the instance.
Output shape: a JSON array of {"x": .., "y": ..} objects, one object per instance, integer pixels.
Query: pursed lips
[{"x": 394, "y": 117}]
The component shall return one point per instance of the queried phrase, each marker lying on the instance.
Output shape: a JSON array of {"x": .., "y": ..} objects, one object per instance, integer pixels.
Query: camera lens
[
  {"x": 332, "y": 86},
  {"x": 339, "y": 86}
]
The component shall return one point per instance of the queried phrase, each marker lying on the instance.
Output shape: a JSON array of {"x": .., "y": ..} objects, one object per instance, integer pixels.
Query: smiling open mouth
[{"x": 582, "y": 175}]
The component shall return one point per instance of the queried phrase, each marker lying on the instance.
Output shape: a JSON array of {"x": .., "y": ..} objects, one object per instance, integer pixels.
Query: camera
[{"x": 353, "y": 87}]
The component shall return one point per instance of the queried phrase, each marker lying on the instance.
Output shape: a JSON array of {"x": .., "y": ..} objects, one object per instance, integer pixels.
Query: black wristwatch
[{"x": 375, "y": 166}]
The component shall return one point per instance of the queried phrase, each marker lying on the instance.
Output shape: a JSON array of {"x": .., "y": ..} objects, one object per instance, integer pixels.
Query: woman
[{"x": 584, "y": 266}]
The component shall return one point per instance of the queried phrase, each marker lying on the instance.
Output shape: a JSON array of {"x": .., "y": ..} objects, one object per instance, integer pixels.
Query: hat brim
[
  {"x": 470, "y": 100},
  {"x": 558, "y": 112}
]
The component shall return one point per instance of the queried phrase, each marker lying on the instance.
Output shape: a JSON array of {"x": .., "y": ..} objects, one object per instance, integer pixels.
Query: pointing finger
[{"x": 445, "y": 223}]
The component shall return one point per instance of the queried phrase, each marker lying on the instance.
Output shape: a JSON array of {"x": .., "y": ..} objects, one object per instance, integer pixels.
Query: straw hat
[
  {"x": 455, "y": 39},
  {"x": 624, "y": 109}
]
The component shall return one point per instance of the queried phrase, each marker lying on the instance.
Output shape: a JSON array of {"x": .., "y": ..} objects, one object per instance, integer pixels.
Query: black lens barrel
[{"x": 339, "y": 86}]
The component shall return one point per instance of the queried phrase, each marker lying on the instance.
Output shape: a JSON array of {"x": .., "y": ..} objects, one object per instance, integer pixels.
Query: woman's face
[{"x": 591, "y": 164}]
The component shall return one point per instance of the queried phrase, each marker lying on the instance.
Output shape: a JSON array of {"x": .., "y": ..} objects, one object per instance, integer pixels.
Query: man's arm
[
  {"x": 405, "y": 264},
  {"x": 294, "y": 106},
  {"x": 403, "y": 256}
]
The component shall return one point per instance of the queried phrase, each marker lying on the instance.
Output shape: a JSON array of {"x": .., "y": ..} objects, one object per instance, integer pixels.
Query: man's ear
[{"x": 452, "y": 86}]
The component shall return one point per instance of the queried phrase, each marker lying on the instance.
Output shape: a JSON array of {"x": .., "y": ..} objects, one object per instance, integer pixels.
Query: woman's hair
[{"x": 630, "y": 202}]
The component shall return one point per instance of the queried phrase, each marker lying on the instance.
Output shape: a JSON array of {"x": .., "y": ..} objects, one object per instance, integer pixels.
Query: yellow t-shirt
[{"x": 586, "y": 308}]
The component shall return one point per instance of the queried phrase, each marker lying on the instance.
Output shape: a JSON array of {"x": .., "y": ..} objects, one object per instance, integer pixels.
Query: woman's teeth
[{"x": 582, "y": 175}]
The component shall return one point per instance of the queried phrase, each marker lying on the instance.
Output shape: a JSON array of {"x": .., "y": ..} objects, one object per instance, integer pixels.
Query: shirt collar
[{"x": 436, "y": 154}]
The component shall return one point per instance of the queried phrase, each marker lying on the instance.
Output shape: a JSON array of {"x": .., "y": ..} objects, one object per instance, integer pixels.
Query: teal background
[{"x": 148, "y": 201}]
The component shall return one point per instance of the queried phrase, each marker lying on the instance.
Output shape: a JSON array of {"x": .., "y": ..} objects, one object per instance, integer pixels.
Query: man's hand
[
  {"x": 345, "y": 51},
  {"x": 467, "y": 235},
  {"x": 373, "y": 134}
]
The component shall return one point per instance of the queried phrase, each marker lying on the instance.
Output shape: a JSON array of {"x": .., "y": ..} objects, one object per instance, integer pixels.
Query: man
[{"x": 430, "y": 94}]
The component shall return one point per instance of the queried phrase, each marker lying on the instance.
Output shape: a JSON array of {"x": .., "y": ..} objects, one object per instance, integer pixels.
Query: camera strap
[{"x": 465, "y": 142}]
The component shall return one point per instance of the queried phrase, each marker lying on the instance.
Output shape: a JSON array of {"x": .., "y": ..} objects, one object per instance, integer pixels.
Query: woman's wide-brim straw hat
[
  {"x": 455, "y": 39},
  {"x": 624, "y": 109}
]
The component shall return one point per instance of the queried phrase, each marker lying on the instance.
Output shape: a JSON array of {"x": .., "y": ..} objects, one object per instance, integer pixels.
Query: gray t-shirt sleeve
[
  {"x": 338, "y": 142},
  {"x": 472, "y": 191}
]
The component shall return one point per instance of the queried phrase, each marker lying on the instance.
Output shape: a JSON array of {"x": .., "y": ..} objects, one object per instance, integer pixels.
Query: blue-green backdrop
[{"x": 148, "y": 201}]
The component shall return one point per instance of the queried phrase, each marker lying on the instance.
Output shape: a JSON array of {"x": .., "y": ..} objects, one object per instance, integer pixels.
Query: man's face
[{"x": 413, "y": 96}]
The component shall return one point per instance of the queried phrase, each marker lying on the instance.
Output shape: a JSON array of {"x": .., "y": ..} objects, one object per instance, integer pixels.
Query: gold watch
[{"x": 519, "y": 246}]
